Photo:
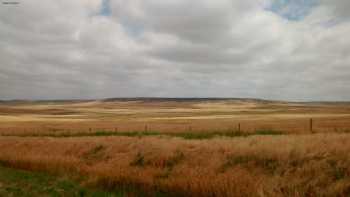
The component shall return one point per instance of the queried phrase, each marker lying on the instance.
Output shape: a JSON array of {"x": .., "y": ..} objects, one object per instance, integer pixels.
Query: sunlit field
[
  {"x": 171, "y": 115},
  {"x": 152, "y": 147}
]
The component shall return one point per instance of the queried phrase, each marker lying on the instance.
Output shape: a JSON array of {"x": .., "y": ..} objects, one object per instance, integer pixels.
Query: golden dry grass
[
  {"x": 293, "y": 165},
  {"x": 297, "y": 164},
  {"x": 172, "y": 116}
]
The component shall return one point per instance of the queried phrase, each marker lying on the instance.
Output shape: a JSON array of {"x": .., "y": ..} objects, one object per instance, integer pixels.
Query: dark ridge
[
  {"x": 329, "y": 102},
  {"x": 141, "y": 99},
  {"x": 168, "y": 99},
  {"x": 164, "y": 99},
  {"x": 23, "y": 102}
]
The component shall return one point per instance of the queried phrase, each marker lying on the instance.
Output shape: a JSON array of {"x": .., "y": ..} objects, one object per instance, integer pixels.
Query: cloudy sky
[{"x": 272, "y": 49}]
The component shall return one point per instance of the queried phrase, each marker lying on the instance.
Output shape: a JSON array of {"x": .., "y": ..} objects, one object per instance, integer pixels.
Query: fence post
[
  {"x": 146, "y": 128},
  {"x": 239, "y": 127},
  {"x": 311, "y": 125}
]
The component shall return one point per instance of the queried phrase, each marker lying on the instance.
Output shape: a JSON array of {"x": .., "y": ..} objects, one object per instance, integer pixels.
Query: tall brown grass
[{"x": 293, "y": 165}]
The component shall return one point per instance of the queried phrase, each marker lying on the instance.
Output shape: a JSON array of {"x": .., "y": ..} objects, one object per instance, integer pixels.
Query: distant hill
[
  {"x": 161, "y": 99},
  {"x": 164, "y": 99}
]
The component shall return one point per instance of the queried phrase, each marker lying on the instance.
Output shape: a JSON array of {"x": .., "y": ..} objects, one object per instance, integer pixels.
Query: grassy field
[
  {"x": 23, "y": 183},
  {"x": 295, "y": 165},
  {"x": 171, "y": 116},
  {"x": 176, "y": 148}
]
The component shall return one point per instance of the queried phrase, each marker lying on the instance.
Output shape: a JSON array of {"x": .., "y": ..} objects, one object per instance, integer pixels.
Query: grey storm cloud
[{"x": 174, "y": 48}]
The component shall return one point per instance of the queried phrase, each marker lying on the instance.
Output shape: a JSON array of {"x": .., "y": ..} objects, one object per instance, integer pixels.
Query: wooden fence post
[
  {"x": 239, "y": 127},
  {"x": 311, "y": 125}
]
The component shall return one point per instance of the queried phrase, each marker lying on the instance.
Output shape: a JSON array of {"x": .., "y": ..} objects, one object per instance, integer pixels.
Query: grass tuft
[
  {"x": 268, "y": 132},
  {"x": 138, "y": 161},
  {"x": 268, "y": 164}
]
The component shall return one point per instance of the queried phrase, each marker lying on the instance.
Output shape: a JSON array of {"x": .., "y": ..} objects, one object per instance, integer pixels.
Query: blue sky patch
[
  {"x": 105, "y": 8},
  {"x": 292, "y": 9}
]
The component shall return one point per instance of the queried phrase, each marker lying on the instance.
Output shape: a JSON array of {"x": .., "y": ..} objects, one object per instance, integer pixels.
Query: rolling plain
[{"x": 183, "y": 147}]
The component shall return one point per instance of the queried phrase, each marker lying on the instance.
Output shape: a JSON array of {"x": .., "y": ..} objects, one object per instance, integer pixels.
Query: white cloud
[{"x": 203, "y": 48}]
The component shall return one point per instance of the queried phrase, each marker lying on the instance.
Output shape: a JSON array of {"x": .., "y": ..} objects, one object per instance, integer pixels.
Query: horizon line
[{"x": 172, "y": 98}]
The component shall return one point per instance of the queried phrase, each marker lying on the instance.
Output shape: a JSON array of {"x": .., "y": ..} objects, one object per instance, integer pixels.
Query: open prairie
[
  {"x": 182, "y": 98},
  {"x": 171, "y": 115},
  {"x": 183, "y": 147}
]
